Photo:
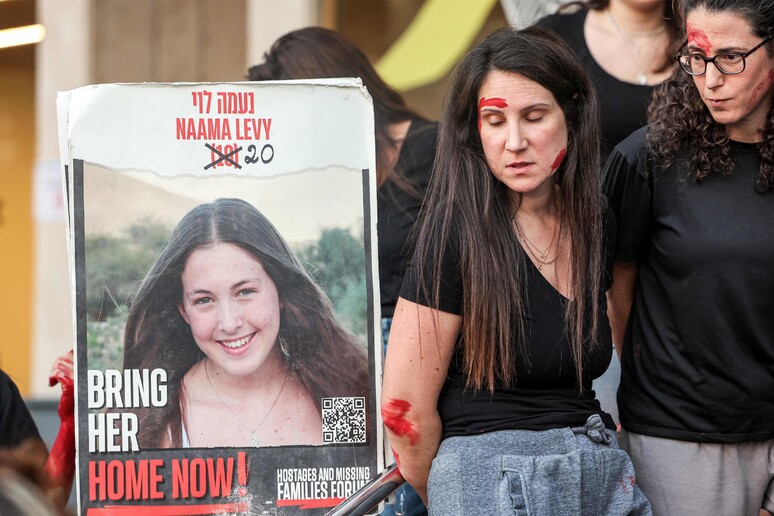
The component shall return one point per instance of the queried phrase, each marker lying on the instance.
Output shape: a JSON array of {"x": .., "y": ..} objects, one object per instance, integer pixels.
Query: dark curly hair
[{"x": 679, "y": 120}]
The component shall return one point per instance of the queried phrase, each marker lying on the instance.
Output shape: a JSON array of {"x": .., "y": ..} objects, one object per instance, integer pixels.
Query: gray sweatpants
[
  {"x": 565, "y": 471},
  {"x": 687, "y": 478}
]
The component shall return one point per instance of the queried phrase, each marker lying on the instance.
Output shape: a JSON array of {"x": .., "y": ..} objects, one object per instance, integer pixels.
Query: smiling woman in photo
[{"x": 249, "y": 341}]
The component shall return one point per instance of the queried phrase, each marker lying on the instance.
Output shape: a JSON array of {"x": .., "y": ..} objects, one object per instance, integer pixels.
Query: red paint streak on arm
[
  {"x": 558, "y": 160},
  {"x": 494, "y": 102},
  {"x": 394, "y": 415},
  {"x": 698, "y": 38},
  {"x": 397, "y": 459}
]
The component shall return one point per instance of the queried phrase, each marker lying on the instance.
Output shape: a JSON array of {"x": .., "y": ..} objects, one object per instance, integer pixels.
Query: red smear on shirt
[
  {"x": 394, "y": 415},
  {"x": 558, "y": 160},
  {"x": 494, "y": 101},
  {"x": 760, "y": 87},
  {"x": 698, "y": 38}
]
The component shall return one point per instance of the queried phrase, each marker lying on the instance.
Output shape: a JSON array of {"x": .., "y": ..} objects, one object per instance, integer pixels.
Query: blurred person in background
[{"x": 627, "y": 47}]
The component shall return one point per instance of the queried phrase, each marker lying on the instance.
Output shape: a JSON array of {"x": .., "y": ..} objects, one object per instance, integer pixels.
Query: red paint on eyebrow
[
  {"x": 394, "y": 415},
  {"x": 698, "y": 38},
  {"x": 494, "y": 102},
  {"x": 558, "y": 160}
]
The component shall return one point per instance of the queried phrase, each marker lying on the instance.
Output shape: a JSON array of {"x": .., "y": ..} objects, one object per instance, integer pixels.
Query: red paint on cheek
[
  {"x": 698, "y": 38},
  {"x": 394, "y": 415},
  {"x": 494, "y": 101},
  {"x": 765, "y": 83},
  {"x": 558, "y": 160}
]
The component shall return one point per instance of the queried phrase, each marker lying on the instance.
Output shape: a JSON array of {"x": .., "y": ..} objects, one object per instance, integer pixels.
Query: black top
[
  {"x": 546, "y": 393},
  {"x": 623, "y": 105},
  {"x": 16, "y": 423},
  {"x": 398, "y": 209},
  {"x": 698, "y": 359}
]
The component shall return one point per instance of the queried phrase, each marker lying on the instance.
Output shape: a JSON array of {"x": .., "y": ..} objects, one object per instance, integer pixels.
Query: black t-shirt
[
  {"x": 16, "y": 423},
  {"x": 398, "y": 209},
  {"x": 623, "y": 105},
  {"x": 698, "y": 359},
  {"x": 546, "y": 393}
]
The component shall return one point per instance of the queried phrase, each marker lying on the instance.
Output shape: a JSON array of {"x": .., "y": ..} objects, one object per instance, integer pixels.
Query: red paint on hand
[
  {"x": 698, "y": 38},
  {"x": 60, "y": 465},
  {"x": 558, "y": 160},
  {"x": 394, "y": 415},
  {"x": 494, "y": 101}
]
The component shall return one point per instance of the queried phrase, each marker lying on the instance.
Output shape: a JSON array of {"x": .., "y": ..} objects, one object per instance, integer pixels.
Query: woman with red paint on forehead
[
  {"x": 691, "y": 303},
  {"x": 501, "y": 323}
]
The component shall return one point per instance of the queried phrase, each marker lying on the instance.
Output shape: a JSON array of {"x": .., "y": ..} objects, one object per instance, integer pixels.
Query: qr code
[{"x": 343, "y": 420}]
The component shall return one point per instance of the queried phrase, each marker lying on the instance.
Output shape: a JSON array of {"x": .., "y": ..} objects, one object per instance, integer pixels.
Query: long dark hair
[
  {"x": 465, "y": 200},
  {"x": 327, "y": 359},
  {"x": 679, "y": 120},
  {"x": 316, "y": 52}
]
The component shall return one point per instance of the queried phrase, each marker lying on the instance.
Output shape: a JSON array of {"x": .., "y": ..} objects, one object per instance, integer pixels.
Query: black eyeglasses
[{"x": 729, "y": 63}]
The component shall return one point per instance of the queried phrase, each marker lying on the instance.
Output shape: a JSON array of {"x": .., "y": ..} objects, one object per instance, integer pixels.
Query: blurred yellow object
[
  {"x": 22, "y": 35},
  {"x": 430, "y": 47}
]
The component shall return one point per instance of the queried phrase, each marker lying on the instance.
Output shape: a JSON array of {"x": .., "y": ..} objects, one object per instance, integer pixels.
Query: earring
[{"x": 283, "y": 344}]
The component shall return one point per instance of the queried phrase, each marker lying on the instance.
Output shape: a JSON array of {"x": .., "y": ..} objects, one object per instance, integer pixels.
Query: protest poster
[{"x": 222, "y": 241}]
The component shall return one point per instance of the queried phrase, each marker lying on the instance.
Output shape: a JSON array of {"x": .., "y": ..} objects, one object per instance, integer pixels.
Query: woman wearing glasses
[{"x": 691, "y": 301}]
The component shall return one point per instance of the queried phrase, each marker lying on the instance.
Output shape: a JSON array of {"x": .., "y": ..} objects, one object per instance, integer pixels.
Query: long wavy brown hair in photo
[
  {"x": 466, "y": 202},
  {"x": 671, "y": 21},
  {"x": 328, "y": 360},
  {"x": 316, "y": 52},
  {"x": 680, "y": 123}
]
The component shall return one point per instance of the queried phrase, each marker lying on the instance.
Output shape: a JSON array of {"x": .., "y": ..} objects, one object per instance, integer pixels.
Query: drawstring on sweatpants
[{"x": 595, "y": 429}]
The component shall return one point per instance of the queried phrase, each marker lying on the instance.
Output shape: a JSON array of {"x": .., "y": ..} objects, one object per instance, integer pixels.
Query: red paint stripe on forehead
[
  {"x": 698, "y": 38},
  {"x": 494, "y": 102}
]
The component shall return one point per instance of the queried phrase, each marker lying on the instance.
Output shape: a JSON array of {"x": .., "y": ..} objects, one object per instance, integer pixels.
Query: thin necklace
[
  {"x": 542, "y": 258},
  {"x": 253, "y": 431},
  {"x": 642, "y": 76},
  {"x": 537, "y": 254}
]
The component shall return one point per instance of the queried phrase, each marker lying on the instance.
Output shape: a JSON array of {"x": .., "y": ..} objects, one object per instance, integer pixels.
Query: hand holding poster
[{"x": 222, "y": 240}]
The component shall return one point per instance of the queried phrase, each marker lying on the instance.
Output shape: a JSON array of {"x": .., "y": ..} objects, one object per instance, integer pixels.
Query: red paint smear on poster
[
  {"x": 698, "y": 38},
  {"x": 494, "y": 102},
  {"x": 170, "y": 510},
  {"x": 311, "y": 504},
  {"x": 558, "y": 160},
  {"x": 394, "y": 415}
]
